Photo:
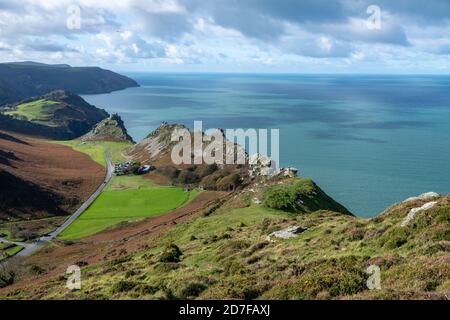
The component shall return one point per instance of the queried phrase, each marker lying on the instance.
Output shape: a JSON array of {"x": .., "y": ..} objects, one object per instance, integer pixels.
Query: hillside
[
  {"x": 24, "y": 80},
  {"x": 56, "y": 115},
  {"x": 156, "y": 150},
  {"x": 269, "y": 237},
  {"x": 38, "y": 181},
  {"x": 242, "y": 250},
  {"x": 109, "y": 129}
]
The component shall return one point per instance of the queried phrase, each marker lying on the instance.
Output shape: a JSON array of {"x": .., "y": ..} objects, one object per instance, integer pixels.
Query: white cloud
[{"x": 251, "y": 33}]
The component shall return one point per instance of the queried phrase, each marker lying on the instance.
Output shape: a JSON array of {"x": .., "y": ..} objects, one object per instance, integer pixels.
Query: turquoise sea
[{"x": 368, "y": 141}]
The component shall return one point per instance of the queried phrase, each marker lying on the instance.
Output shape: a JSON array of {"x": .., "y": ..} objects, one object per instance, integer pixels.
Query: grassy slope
[
  {"x": 37, "y": 111},
  {"x": 225, "y": 255},
  {"x": 96, "y": 149},
  {"x": 8, "y": 252}
]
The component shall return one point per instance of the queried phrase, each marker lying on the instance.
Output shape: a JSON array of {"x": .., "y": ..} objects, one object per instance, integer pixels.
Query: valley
[{"x": 76, "y": 189}]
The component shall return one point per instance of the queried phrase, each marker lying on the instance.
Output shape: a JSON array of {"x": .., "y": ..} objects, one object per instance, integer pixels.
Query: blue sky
[{"x": 302, "y": 36}]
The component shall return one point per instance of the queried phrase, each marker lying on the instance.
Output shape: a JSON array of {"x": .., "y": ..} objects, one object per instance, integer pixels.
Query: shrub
[
  {"x": 229, "y": 183},
  {"x": 205, "y": 170},
  {"x": 188, "y": 177},
  {"x": 25, "y": 235},
  {"x": 171, "y": 254},
  {"x": 36, "y": 269},
  {"x": 10, "y": 271},
  {"x": 325, "y": 279},
  {"x": 169, "y": 171},
  {"x": 192, "y": 290},
  {"x": 123, "y": 286},
  {"x": 299, "y": 197},
  {"x": 395, "y": 238},
  {"x": 210, "y": 182},
  {"x": 166, "y": 267}
]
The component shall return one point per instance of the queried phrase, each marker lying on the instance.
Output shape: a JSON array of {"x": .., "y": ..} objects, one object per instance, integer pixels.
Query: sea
[{"x": 368, "y": 141}]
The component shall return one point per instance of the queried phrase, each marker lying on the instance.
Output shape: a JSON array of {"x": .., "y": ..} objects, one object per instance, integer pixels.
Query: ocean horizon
[{"x": 368, "y": 140}]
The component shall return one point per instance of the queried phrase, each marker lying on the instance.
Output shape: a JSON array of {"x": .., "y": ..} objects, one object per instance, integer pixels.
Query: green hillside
[
  {"x": 55, "y": 115},
  {"x": 40, "y": 111}
]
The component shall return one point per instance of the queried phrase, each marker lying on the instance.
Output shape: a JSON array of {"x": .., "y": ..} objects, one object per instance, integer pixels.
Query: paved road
[{"x": 29, "y": 248}]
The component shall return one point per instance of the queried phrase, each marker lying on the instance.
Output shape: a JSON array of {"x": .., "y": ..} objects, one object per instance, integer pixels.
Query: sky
[{"x": 300, "y": 36}]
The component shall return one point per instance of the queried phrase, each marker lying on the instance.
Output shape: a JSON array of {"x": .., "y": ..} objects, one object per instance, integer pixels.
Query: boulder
[{"x": 286, "y": 233}]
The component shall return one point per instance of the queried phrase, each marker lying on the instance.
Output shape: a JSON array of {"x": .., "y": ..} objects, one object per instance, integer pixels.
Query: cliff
[{"x": 20, "y": 81}]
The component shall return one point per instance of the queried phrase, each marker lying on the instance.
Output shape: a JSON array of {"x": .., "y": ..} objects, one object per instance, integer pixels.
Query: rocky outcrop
[
  {"x": 287, "y": 233},
  {"x": 424, "y": 196},
  {"x": 109, "y": 129},
  {"x": 413, "y": 212},
  {"x": 261, "y": 165}
]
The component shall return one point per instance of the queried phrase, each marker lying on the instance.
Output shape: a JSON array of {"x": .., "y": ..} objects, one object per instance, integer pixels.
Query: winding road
[{"x": 30, "y": 248}]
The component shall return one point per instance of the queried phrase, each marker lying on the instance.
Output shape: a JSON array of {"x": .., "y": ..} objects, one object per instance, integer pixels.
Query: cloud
[
  {"x": 247, "y": 33},
  {"x": 166, "y": 20},
  {"x": 126, "y": 45},
  {"x": 356, "y": 30},
  {"x": 321, "y": 47}
]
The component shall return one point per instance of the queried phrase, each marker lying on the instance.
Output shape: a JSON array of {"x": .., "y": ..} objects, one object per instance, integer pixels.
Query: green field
[
  {"x": 96, "y": 149},
  {"x": 36, "y": 111},
  {"x": 9, "y": 252},
  {"x": 126, "y": 199}
]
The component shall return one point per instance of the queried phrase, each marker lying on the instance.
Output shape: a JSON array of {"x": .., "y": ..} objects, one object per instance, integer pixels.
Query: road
[{"x": 29, "y": 248}]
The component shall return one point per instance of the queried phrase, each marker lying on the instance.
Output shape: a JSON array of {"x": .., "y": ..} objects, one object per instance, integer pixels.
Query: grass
[
  {"x": 126, "y": 199},
  {"x": 96, "y": 149},
  {"x": 225, "y": 255},
  {"x": 14, "y": 250},
  {"x": 39, "y": 227},
  {"x": 37, "y": 111},
  {"x": 11, "y": 251},
  {"x": 129, "y": 182}
]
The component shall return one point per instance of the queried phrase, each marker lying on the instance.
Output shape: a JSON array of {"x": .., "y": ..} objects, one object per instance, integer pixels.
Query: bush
[
  {"x": 209, "y": 182},
  {"x": 36, "y": 269},
  {"x": 169, "y": 171},
  {"x": 10, "y": 271},
  {"x": 299, "y": 197},
  {"x": 123, "y": 286},
  {"x": 25, "y": 235},
  {"x": 395, "y": 238},
  {"x": 205, "y": 170},
  {"x": 171, "y": 254},
  {"x": 229, "y": 183},
  {"x": 192, "y": 290},
  {"x": 325, "y": 279},
  {"x": 188, "y": 177}
]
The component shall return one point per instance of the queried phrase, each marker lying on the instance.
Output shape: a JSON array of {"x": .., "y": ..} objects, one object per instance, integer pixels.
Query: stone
[
  {"x": 287, "y": 233},
  {"x": 413, "y": 212},
  {"x": 424, "y": 196}
]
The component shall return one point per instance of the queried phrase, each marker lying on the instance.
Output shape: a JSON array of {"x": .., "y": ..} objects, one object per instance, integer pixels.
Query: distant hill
[
  {"x": 22, "y": 80},
  {"x": 56, "y": 115}
]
